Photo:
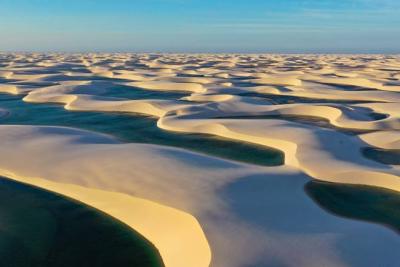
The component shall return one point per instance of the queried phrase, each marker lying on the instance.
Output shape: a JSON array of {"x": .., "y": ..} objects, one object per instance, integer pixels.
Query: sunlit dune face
[{"x": 178, "y": 174}]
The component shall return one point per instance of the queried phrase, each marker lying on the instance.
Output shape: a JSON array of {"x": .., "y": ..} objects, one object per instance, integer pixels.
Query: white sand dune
[
  {"x": 169, "y": 86},
  {"x": 81, "y": 95},
  {"x": 383, "y": 139},
  {"x": 279, "y": 80},
  {"x": 6, "y": 74},
  {"x": 163, "y": 226},
  {"x": 11, "y": 89},
  {"x": 110, "y": 176},
  {"x": 208, "y": 219}
]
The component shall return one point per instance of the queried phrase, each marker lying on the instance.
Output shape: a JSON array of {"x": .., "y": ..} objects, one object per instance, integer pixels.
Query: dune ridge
[{"x": 251, "y": 98}]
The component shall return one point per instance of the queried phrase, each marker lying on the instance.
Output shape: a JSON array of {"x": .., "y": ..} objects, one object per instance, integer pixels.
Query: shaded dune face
[{"x": 263, "y": 125}]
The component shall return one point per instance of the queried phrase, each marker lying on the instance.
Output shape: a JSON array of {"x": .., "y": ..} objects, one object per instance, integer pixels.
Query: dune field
[{"x": 326, "y": 120}]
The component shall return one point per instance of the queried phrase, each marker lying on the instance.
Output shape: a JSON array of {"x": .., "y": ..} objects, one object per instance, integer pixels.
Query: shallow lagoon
[
  {"x": 358, "y": 202},
  {"x": 43, "y": 229},
  {"x": 130, "y": 128}
]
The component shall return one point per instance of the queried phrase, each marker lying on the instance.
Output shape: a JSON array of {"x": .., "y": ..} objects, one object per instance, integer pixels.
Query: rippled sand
[{"x": 321, "y": 111}]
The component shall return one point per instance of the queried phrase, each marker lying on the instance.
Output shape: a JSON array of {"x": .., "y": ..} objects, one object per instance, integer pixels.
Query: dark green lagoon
[
  {"x": 358, "y": 202},
  {"x": 134, "y": 128},
  {"x": 43, "y": 229},
  {"x": 385, "y": 156}
]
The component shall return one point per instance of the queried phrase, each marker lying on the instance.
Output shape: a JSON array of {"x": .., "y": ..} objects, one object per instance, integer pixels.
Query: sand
[{"x": 181, "y": 189}]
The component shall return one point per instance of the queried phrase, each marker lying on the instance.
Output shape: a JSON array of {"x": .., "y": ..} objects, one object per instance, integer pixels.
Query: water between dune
[
  {"x": 42, "y": 229},
  {"x": 130, "y": 128},
  {"x": 360, "y": 203}
]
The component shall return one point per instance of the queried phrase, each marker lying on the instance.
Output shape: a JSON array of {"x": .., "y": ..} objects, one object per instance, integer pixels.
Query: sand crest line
[
  {"x": 163, "y": 226},
  {"x": 225, "y": 95}
]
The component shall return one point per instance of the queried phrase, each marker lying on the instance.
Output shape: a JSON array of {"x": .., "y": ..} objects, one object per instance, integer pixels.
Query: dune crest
[{"x": 321, "y": 111}]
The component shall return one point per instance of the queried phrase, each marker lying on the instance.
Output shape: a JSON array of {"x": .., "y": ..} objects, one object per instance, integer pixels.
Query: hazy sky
[{"x": 338, "y": 26}]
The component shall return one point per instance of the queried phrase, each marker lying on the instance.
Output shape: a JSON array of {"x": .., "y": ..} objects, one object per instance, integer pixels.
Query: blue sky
[{"x": 286, "y": 26}]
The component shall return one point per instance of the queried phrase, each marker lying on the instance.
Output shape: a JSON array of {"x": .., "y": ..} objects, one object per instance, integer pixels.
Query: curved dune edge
[
  {"x": 172, "y": 86},
  {"x": 299, "y": 143},
  {"x": 177, "y": 235},
  {"x": 383, "y": 139},
  {"x": 347, "y": 91},
  {"x": 324, "y": 155},
  {"x": 79, "y": 164}
]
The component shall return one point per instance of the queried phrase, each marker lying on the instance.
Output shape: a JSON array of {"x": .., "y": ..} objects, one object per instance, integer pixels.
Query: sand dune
[
  {"x": 321, "y": 111},
  {"x": 169, "y": 86},
  {"x": 163, "y": 226},
  {"x": 79, "y": 164},
  {"x": 279, "y": 80}
]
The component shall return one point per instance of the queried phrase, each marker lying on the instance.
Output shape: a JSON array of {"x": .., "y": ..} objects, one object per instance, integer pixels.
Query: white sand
[{"x": 92, "y": 168}]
